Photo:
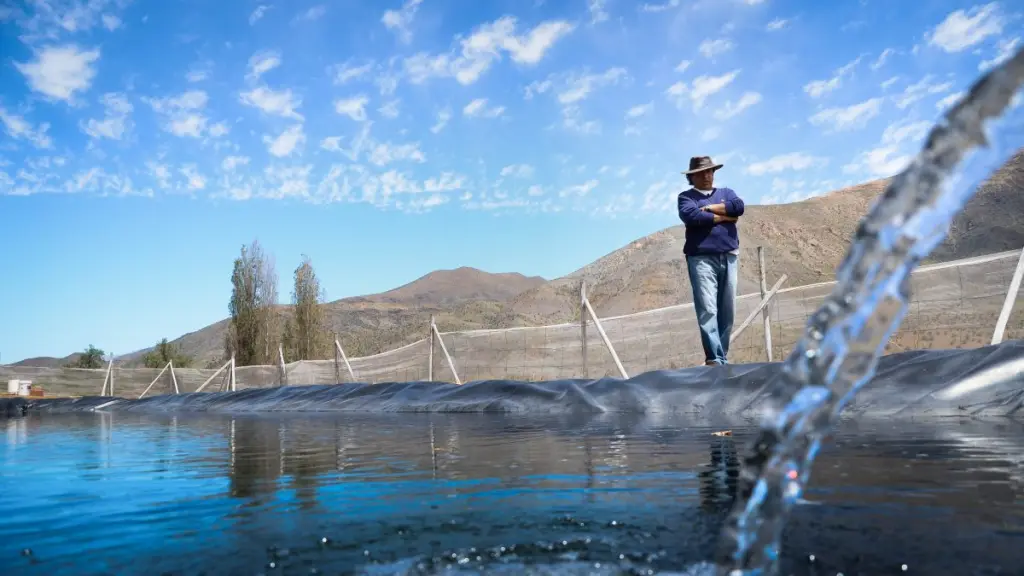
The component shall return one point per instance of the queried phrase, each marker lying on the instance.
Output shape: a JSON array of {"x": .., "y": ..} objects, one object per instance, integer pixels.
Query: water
[
  {"x": 846, "y": 336},
  {"x": 128, "y": 493}
]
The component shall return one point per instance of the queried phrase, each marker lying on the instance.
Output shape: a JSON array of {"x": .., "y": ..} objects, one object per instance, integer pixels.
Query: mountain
[
  {"x": 462, "y": 299},
  {"x": 49, "y": 361}
]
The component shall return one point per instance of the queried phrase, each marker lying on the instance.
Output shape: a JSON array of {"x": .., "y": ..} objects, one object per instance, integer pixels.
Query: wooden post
[
  {"x": 430, "y": 350},
  {"x": 162, "y": 370},
  {"x": 583, "y": 325},
  {"x": 444, "y": 349},
  {"x": 337, "y": 366},
  {"x": 174, "y": 378},
  {"x": 339, "y": 350},
  {"x": 284, "y": 372},
  {"x": 214, "y": 375},
  {"x": 232, "y": 380},
  {"x": 764, "y": 302},
  {"x": 1011, "y": 298},
  {"x": 767, "y": 317},
  {"x": 607, "y": 342},
  {"x": 110, "y": 375}
]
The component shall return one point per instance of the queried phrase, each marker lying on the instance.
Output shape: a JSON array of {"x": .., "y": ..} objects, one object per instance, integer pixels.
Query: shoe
[{"x": 711, "y": 363}]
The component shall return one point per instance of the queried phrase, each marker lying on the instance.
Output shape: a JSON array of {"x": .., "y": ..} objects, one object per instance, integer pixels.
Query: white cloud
[
  {"x": 890, "y": 82},
  {"x": 347, "y": 72},
  {"x": 257, "y": 14},
  {"x": 577, "y": 86},
  {"x": 915, "y": 92},
  {"x": 18, "y": 128},
  {"x": 517, "y": 171},
  {"x": 849, "y": 117},
  {"x": 710, "y": 48},
  {"x": 882, "y": 58},
  {"x": 478, "y": 109},
  {"x": 706, "y": 86},
  {"x": 947, "y": 102},
  {"x": 640, "y": 110},
  {"x": 111, "y": 22},
  {"x": 286, "y": 142},
  {"x": 682, "y": 66},
  {"x": 219, "y": 129},
  {"x": 58, "y": 72},
  {"x": 354, "y": 107},
  {"x": 579, "y": 189},
  {"x": 193, "y": 179},
  {"x": 660, "y": 7},
  {"x": 730, "y": 108},
  {"x": 314, "y": 13},
  {"x": 389, "y": 109},
  {"x": 964, "y": 29},
  {"x": 386, "y": 153},
  {"x": 818, "y": 88},
  {"x": 262, "y": 62},
  {"x": 447, "y": 182},
  {"x": 398, "y": 21},
  {"x": 777, "y": 24},
  {"x": 231, "y": 162},
  {"x": 115, "y": 122},
  {"x": 887, "y": 159},
  {"x": 711, "y": 133},
  {"x": 182, "y": 114},
  {"x": 442, "y": 120},
  {"x": 793, "y": 161},
  {"x": 598, "y": 11},
  {"x": 274, "y": 102},
  {"x": 484, "y": 47},
  {"x": 1007, "y": 48}
]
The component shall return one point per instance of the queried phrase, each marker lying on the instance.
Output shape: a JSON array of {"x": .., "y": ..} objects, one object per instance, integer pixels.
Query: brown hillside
[{"x": 462, "y": 299}]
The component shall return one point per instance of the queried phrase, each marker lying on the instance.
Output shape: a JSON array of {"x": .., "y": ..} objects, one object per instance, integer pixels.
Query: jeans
[{"x": 713, "y": 278}]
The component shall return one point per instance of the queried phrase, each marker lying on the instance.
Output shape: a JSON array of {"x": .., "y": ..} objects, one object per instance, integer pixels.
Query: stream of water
[{"x": 846, "y": 336}]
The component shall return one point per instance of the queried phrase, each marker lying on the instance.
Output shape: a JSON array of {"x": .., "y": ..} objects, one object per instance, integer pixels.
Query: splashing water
[{"x": 845, "y": 337}]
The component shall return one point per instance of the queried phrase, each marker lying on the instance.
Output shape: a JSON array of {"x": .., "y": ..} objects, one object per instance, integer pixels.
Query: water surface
[{"x": 133, "y": 493}]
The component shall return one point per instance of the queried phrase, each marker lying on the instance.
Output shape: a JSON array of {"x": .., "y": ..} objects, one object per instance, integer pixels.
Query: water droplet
[
  {"x": 811, "y": 557},
  {"x": 323, "y": 540},
  {"x": 271, "y": 565},
  {"x": 26, "y": 552},
  {"x": 903, "y": 567}
]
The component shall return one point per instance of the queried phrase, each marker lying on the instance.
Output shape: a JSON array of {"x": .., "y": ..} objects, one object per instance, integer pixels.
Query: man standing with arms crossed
[{"x": 711, "y": 249}]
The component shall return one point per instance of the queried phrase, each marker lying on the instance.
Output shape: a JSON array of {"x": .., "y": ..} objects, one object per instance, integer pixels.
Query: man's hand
[
  {"x": 717, "y": 209},
  {"x": 720, "y": 219}
]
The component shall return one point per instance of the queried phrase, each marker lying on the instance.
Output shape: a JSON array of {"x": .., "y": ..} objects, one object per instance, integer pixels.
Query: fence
[{"x": 960, "y": 304}]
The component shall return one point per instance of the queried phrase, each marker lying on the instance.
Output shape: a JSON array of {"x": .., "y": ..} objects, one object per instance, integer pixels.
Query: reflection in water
[{"x": 138, "y": 494}]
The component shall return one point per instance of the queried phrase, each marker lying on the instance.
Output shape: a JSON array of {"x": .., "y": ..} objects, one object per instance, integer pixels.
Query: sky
[{"x": 142, "y": 143}]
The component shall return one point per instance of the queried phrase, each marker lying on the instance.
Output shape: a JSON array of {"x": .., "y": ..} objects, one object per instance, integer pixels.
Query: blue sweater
[{"x": 703, "y": 236}]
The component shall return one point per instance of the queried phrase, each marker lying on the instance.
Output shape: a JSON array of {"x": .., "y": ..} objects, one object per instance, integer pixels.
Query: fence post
[
  {"x": 607, "y": 342},
  {"x": 430, "y": 350},
  {"x": 444, "y": 349},
  {"x": 1011, "y": 298},
  {"x": 339, "y": 350},
  {"x": 232, "y": 381},
  {"x": 583, "y": 325},
  {"x": 280, "y": 358},
  {"x": 337, "y": 366},
  {"x": 764, "y": 304},
  {"x": 767, "y": 317},
  {"x": 174, "y": 378}
]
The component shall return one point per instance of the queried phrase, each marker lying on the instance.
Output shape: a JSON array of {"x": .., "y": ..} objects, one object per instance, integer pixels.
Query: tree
[
  {"x": 254, "y": 328},
  {"x": 91, "y": 358},
  {"x": 306, "y": 334},
  {"x": 165, "y": 352}
]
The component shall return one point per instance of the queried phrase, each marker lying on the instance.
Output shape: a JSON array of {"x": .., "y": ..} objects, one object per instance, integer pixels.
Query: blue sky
[{"x": 143, "y": 142}]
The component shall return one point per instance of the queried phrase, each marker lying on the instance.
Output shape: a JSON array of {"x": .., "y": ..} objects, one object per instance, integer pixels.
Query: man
[{"x": 711, "y": 249}]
